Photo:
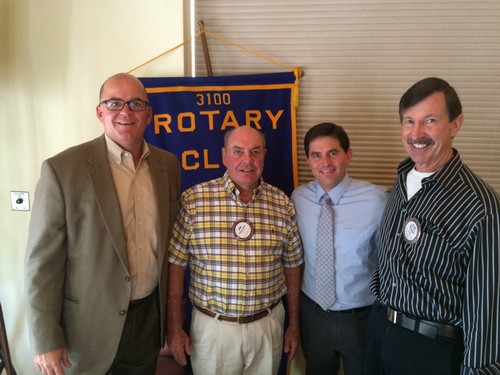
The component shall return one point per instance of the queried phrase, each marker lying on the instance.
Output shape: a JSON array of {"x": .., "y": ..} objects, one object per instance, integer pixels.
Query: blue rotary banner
[{"x": 190, "y": 116}]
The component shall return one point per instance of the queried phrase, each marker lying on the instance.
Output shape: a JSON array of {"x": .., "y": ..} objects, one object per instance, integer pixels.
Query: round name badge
[
  {"x": 243, "y": 230},
  {"x": 412, "y": 230}
]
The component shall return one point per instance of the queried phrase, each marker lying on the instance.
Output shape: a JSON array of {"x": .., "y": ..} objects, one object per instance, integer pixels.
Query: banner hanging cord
[
  {"x": 297, "y": 71},
  {"x": 227, "y": 41},
  {"x": 164, "y": 53}
]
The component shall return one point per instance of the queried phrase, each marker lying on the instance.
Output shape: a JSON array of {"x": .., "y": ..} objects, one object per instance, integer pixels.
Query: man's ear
[
  {"x": 349, "y": 154},
  {"x": 224, "y": 156},
  {"x": 98, "y": 112},
  {"x": 456, "y": 125}
]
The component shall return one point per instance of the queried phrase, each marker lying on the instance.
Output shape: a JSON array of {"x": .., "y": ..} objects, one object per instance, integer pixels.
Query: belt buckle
[{"x": 392, "y": 315}]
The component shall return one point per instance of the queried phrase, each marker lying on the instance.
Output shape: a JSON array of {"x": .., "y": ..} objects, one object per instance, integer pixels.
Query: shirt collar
[
  {"x": 232, "y": 190},
  {"x": 116, "y": 153},
  {"x": 336, "y": 193},
  {"x": 443, "y": 176}
]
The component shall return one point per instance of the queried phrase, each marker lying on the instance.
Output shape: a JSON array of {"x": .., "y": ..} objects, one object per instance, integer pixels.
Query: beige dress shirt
[{"x": 139, "y": 215}]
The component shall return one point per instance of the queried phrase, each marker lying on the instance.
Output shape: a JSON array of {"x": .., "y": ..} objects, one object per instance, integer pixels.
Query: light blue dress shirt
[{"x": 358, "y": 208}]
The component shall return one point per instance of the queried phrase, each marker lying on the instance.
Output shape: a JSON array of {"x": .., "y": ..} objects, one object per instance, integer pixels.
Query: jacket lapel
[{"x": 101, "y": 178}]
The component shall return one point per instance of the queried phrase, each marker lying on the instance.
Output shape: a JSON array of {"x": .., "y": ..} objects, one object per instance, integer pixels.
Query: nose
[
  {"x": 248, "y": 156},
  {"x": 325, "y": 160},
  {"x": 417, "y": 131}
]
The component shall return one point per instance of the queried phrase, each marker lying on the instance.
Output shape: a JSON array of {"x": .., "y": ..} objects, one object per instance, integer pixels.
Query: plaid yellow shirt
[{"x": 232, "y": 276}]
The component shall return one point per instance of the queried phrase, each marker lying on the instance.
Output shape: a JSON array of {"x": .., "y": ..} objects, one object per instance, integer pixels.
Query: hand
[
  {"x": 291, "y": 342},
  {"x": 51, "y": 363},
  {"x": 179, "y": 345}
]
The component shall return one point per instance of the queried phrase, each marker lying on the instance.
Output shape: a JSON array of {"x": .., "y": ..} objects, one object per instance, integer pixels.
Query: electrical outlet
[{"x": 20, "y": 200}]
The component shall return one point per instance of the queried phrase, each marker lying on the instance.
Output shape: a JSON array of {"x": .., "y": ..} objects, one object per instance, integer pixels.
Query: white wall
[{"x": 54, "y": 55}]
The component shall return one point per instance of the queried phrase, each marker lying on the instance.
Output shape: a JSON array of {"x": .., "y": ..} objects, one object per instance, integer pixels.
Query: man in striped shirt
[
  {"x": 438, "y": 279},
  {"x": 239, "y": 236}
]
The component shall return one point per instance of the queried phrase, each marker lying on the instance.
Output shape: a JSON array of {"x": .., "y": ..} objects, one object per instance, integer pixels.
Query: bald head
[{"x": 123, "y": 77}]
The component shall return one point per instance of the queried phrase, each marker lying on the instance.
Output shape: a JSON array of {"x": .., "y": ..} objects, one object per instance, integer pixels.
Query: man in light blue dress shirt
[{"x": 336, "y": 333}]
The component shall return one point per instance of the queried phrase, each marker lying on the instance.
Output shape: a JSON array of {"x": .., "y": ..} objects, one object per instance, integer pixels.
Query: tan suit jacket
[{"x": 77, "y": 277}]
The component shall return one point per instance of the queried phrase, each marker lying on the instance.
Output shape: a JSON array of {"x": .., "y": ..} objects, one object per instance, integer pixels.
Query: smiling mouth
[{"x": 421, "y": 143}]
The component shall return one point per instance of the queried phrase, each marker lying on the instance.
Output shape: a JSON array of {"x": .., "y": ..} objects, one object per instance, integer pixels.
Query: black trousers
[
  {"x": 394, "y": 350},
  {"x": 140, "y": 342},
  {"x": 329, "y": 337}
]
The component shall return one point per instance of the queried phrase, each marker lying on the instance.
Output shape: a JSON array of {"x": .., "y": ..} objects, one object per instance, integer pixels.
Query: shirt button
[
  {"x": 122, "y": 312},
  {"x": 127, "y": 278}
]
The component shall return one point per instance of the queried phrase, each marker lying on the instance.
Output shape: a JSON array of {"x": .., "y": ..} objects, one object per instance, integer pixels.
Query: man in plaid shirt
[{"x": 240, "y": 238}]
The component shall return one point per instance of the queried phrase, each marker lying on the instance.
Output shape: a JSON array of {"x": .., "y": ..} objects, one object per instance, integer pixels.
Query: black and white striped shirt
[{"x": 451, "y": 274}]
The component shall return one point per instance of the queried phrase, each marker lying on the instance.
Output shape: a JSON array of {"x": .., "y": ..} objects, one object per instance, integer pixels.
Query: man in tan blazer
[{"x": 96, "y": 265}]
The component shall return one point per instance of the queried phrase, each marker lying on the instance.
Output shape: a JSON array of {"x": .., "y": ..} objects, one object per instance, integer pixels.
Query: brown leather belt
[
  {"x": 239, "y": 319},
  {"x": 424, "y": 327}
]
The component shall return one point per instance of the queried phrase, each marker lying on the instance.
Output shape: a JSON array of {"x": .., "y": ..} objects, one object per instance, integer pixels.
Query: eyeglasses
[{"x": 135, "y": 105}]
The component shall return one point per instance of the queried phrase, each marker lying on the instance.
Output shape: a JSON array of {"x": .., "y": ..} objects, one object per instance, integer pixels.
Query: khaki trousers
[{"x": 226, "y": 348}]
